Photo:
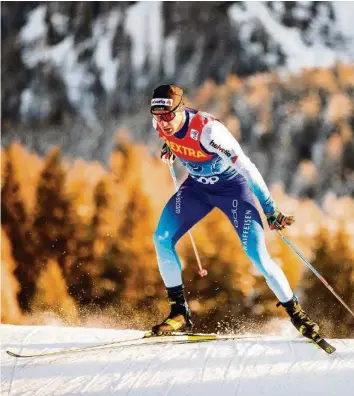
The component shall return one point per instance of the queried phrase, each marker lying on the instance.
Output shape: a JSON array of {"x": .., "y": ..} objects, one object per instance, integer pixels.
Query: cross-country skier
[{"x": 221, "y": 176}]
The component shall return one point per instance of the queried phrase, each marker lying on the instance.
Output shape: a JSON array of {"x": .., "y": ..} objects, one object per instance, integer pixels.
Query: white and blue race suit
[{"x": 225, "y": 180}]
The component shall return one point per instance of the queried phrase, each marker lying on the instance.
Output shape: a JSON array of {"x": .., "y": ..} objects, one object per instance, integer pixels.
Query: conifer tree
[
  {"x": 16, "y": 222},
  {"x": 81, "y": 268},
  {"x": 80, "y": 261},
  {"x": 3, "y": 167},
  {"x": 104, "y": 228},
  {"x": 52, "y": 223},
  {"x": 52, "y": 226},
  {"x": 52, "y": 294},
  {"x": 335, "y": 262},
  {"x": 9, "y": 285},
  {"x": 94, "y": 257},
  {"x": 139, "y": 279}
]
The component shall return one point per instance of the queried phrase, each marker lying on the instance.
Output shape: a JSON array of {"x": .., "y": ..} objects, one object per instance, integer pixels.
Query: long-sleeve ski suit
[{"x": 221, "y": 176}]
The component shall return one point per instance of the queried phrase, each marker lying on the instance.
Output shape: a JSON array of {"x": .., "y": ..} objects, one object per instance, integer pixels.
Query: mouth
[{"x": 168, "y": 130}]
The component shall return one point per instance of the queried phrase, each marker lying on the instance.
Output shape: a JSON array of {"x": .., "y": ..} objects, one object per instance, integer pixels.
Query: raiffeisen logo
[{"x": 218, "y": 147}]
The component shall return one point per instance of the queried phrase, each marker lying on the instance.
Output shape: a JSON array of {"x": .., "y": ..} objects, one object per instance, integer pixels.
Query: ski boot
[
  {"x": 180, "y": 317},
  {"x": 300, "y": 319}
]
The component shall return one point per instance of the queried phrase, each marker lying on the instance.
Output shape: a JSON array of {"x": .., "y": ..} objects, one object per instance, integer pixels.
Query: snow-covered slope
[{"x": 246, "y": 367}]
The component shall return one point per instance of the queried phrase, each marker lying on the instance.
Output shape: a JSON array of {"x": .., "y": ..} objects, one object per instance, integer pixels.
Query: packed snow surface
[{"x": 265, "y": 365}]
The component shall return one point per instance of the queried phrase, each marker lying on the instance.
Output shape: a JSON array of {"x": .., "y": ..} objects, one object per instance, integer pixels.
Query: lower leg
[
  {"x": 273, "y": 274},
  {"x": 179, "y": 318},
  {"x": 182, "y": 211},
  {"x": 168, "y": 262},
  {"x": 279, "y": 284}
]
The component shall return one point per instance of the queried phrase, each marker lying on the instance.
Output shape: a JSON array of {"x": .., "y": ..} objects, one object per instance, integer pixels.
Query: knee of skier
[
  {"x": 163, "y": 238},
  {"x": 263, "y": 267},
  {"x": 261, "y": 260}
]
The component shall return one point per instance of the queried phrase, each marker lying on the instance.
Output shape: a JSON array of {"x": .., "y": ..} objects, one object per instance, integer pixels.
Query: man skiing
[{"x": 222, "y": 176}]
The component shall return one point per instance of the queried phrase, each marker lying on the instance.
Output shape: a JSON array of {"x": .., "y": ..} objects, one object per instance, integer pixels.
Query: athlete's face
[{"x": 172, "y": 122}]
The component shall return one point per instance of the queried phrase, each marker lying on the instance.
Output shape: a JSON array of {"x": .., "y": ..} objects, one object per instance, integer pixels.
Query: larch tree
[
  {"x": 335, "y": 261},
  {"x": 16, "y": 222},
  {"x": 52, "y": 226}
]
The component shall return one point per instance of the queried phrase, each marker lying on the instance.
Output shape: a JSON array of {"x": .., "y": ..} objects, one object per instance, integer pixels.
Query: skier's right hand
[{"x": 166, "y": 155}]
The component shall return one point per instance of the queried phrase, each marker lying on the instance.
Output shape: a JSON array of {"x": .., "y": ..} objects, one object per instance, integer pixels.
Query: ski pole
[
  {"x": 201, "y": 271},
  {"x": 313, "y": 269}
]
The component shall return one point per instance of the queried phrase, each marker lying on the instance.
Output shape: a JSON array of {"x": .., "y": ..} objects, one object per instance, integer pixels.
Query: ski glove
[
  {"x": 278, "y": 220},
  {"x": 166, "y": 155}
]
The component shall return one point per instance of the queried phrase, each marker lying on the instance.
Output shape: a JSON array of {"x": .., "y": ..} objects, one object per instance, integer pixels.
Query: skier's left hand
[
  {"x": 166, "y": 155},
  {"x": 278, "y": 220}
]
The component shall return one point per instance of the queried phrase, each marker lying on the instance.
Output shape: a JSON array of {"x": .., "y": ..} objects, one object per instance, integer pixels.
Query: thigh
[
  {"x": 239, "y": 206},
  {"x": 184, "y": 209}
]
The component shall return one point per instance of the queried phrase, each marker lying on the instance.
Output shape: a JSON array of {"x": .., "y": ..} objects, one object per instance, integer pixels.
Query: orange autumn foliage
[
  {"x": 84, "y": 231},
  {"x": 103, "y": 256}
]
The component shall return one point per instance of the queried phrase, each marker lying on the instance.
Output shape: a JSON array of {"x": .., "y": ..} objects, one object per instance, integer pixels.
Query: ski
[
  {"x": 317, "y": 340},
  {"x": 147, "y": 338},
  {"x": 177, "y": 338},
  {"x": 321, "y": 343},
  {"x": 73, "y": 350}
]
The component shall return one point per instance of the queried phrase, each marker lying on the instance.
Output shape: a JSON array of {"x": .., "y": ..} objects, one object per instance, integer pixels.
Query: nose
[{"x": 164, "y": 123}]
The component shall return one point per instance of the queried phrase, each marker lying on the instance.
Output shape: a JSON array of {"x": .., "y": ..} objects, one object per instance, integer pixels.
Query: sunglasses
[{"x": 165, "y": 117}]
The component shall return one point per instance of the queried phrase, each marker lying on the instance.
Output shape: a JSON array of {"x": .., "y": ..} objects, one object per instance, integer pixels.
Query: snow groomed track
[{"x": 244, "y": 367}]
